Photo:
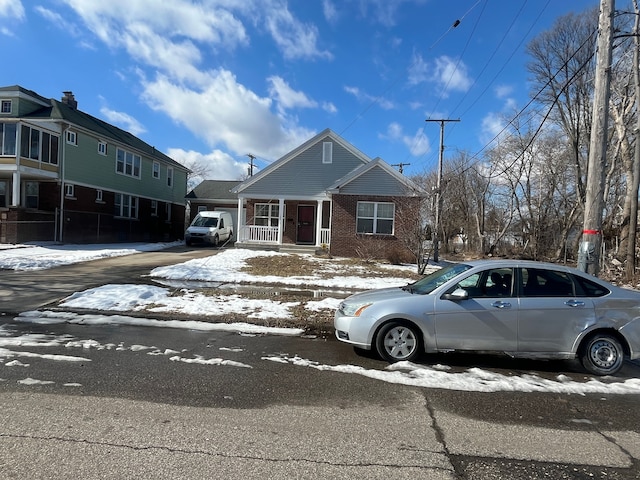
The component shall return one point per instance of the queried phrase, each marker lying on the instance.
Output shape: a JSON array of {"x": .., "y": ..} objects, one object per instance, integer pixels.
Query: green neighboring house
[{"x": 67, "y": 176}]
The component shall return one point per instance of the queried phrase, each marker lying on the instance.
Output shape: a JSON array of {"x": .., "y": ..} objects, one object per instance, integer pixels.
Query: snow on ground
[
  {"x": 225, "y": 266},
  {"x": 40, "y": 257}
]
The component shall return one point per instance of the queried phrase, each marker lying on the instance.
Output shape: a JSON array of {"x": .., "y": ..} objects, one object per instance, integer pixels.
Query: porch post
[
  {"x": 240, "y": 227},
  {"x": 319, "y": 223},
  {"x": 281, "y": 220},
  {"x": 15, "y": 191}
]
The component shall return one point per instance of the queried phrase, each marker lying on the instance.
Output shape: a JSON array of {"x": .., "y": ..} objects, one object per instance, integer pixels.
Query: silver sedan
[{"x": 521, "y": 308}]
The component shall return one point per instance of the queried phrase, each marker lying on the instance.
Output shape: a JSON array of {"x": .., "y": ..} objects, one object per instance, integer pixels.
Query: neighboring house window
[
  {"x": 72, "y": 138},
  {"x": 5, "y": 107},
  {"x": 327, "y": 152},
  {"x": 154, "y": 208},
  {"x": 102, "y": 148},
  {"x": 126, "y": 206},
  {"x": 202, "y": 208},
  {"x": 68, "y": 190},
  {"x": 49, "y": 148},
  {"x": 267, "y": 214},
  {"x": 3, "y": 193},
  {"x": 167, "y": 212},
  {"x": 31, "y": 194},
  {"x": 156, "y": 170},
  {"x": 169, "y": 177},
  {"x": 99, "y": 196},
  {"x": 7, "y": 138},
  {"x": 375, "y": 217},
  {"x": 38, "y": 145},
  {"x": 128, "y": 163}
]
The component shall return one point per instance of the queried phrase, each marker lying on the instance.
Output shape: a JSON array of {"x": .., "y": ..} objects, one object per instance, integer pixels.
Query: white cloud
[
  {"x": 503, "y": 91},
  {"x": 123, "y": 120},
  {"x": 366, "y": 98},
  {"x": 451, "y": 74},
  {"x": 444, "y": 71},
  {"x": 329, "y": 10},
  {"x": 418, "y": 144},
  {"x": 329, "y": 107},
  {"x": 286, "y": 96},
  {"x": 11, "y": 9},
  {"x": 294, "y": 38},
  {"x": 216, "y": 165},
  {"x": 225, "y": 112}
]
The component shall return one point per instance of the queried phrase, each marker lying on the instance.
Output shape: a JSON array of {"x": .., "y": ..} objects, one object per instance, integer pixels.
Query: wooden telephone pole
[
  {"x": 591, "y": 244},
  {"x": 436, "y": 229}
]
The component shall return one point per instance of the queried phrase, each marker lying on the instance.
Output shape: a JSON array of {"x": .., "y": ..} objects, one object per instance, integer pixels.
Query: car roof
[
  {"x": 211, "y": 213},
  {"x": 505, "y": 262}
]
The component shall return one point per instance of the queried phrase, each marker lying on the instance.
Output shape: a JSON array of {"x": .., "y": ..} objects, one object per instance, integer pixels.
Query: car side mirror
[{"x": 457, "y": 295}]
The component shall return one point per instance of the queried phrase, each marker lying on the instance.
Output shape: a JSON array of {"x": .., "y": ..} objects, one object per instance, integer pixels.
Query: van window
[
  {"x": 204, "y": 221},
  {"x": 221, "y": 223}
]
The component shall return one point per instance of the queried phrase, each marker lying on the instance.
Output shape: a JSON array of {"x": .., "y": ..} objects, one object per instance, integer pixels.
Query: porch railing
[
  {"x": 325, "y": 236},
  {"x": 261, "y": 234},
  {"x": 258, "y": 234}
]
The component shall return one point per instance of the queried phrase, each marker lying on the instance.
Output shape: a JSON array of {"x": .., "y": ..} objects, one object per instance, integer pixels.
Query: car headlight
[{"x": 354, "y": 309}]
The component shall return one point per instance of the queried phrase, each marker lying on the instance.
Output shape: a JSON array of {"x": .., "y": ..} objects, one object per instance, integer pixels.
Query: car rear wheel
[
  {"x": 602, "y": 354},
  {"x": 398, "y": 341}
]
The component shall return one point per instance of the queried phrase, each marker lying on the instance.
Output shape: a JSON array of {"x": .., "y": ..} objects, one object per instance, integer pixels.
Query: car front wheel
[
  {"x": 398, "y": 341},
  {"x": 602, "y": 354}
]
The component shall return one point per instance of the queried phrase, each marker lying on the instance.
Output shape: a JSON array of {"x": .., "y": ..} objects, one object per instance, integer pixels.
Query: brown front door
[{"x": 306, "y": 224}]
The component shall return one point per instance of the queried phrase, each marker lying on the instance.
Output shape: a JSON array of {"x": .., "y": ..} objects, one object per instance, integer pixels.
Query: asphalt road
[{"x": 272, "y": 409}]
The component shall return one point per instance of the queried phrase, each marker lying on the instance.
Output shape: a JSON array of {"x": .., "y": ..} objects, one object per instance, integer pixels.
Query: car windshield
[
  {"x": 432, "y": 281},
  {"x": 204, "y": 222}
]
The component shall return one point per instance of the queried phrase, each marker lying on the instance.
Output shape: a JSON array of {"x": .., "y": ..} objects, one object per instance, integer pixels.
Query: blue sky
[{"x": 211, "y": 81}]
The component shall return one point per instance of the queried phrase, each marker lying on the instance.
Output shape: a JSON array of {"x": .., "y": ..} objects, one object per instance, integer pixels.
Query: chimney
[{"x": 69, "y": 99}]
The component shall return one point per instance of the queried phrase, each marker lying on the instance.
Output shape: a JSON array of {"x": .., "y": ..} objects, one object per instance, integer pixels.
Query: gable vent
[{"x": 327, "y": 152}]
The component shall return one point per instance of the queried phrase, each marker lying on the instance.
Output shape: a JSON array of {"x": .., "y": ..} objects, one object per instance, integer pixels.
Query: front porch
[{"x": 297, "y": 224}]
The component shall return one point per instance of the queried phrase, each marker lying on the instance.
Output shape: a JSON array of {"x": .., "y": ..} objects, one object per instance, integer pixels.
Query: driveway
[{"x": 22, "y": 291}]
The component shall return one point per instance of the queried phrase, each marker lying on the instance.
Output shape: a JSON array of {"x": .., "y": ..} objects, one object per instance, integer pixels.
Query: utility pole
[
  {"x": 400, "y": 165},
  {"x": 630, "y": 263},
  {"x": 251, "y": 159},
  {"x": 591, "y": 243},
  {"x": 436, "y": 230}
]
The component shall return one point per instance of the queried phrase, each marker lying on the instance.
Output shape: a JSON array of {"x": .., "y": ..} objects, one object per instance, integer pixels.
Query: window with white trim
[
  {"x": 375, "y": 218},
  {"x": 68, "y": 190},
  {"x": 102, "y": 148},
  {"x": 327, "y": 152},
  {"x": 8, "y": 138},
  {"x": 169, "y": 177},
  {"x": 72, "y": 138},
  {"x": 126, "y": 206},
  {"x": 5, "y": 106},
  {"x": 156, "y": 170},
  {"x": 154, "y": 208},
  {"x": 99, "y": 196},
  {"x": 167, "y": 212},
  {"x": 128, "y": 163},
  {"x": 266, "y": 214}
]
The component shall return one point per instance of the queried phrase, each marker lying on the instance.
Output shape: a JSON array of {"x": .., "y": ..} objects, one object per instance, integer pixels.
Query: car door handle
[
  {"x": 500, "y": 304},
  {"x": 574, "y": 303}
]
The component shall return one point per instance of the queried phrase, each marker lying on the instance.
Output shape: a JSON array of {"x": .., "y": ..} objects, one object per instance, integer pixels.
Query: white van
[{"x": 209, "y": 228}]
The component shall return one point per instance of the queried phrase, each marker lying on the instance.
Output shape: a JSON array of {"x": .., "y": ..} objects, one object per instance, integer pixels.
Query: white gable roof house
[{"x": 325, "y": 194}]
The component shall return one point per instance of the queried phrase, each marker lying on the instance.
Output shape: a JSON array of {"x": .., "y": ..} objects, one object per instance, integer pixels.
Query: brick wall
[{"x": 345, "y": 242}]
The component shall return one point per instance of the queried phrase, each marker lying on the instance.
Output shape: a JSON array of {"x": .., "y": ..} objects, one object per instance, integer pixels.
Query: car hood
[
  {"x": 200, "y": 229},
  {"x": 382, "y": 294}
]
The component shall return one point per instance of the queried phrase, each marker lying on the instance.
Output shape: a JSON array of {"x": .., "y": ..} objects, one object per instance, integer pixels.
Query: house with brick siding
[
  {"x": 324, "y": 194},
  {"x": 67, "y": 176}
]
